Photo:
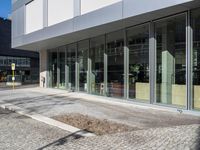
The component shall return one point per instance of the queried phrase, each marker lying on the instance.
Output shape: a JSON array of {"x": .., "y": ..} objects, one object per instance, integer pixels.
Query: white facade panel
[
  {"x": 92, "y": 5},
  {"x": 17, "y": 22},
  {"x": 59, "y": 11},
  {"x": 138, "y": 7},
  {"x": 34, "y": 16}
]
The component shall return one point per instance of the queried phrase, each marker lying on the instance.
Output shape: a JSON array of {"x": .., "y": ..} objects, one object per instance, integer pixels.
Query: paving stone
[{"x": 22, "y": 133}]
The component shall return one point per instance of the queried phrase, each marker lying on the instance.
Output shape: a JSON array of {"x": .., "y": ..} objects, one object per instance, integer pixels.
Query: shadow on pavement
[
  {"x": 6, "y": 88},
  {"x": 41, "y": 103},
  {"x": 62, "y": 141},
  {"x": 36, "y": 104},
  {"x": 53, "y": 104},
  {"x": 198, "y": 140}
]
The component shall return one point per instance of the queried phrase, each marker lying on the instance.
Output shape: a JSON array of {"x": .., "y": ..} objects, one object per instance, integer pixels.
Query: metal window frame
[
  {"x": 190, "y": 87},
  {"x": 152, "y": 62}
]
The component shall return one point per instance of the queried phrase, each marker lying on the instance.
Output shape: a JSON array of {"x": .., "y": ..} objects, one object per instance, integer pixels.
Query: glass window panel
[
  {"x": 171, "y": 61},
  {"x": 196, "y": 58},
  {"x": 1, "y": 61},
  {"x": 71, "y": 63},
  {"x": 53, "y": 69},
  {"x": 138, "y": 44},
  {"x": 115, "y": 56},
  {"x": 82, "y": 58},
  {"x": 61, "y": 55},
  {"x": 97, "y": 48}
]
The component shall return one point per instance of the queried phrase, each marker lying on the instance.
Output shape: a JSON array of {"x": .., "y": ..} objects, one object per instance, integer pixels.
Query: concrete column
[
  {"x": 66, "y": 72},
  {"x": 43, "y": 68},
  {"x": 126, "y": 67},
  {"x": 90, "y": 76},
  {"x": 152, "y": 63},
  {"x": 58, "y": 69},
  {"x": 190, "y": 56}
]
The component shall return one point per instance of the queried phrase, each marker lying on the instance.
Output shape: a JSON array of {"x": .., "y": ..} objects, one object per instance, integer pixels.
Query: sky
[{"x": 5, "y": 8}]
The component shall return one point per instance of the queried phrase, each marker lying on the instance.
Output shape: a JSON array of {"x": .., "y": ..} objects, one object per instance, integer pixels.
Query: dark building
[{"x": 27, "y": 62}]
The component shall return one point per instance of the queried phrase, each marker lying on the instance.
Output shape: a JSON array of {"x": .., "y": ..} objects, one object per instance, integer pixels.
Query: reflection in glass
[
  {"x": 171, "y": 61},
  {"x": 70, "y": 68},
  {"x": 97, "y": 47},
  {"x": 115, "y": 56},
  {"x": 53, "y": 69},
  {"x": 82, "y": 58},
  {"x": 138, "y": 44},
  {"x": 61, "y": 55},
  {"x": 196, "y": 58}
]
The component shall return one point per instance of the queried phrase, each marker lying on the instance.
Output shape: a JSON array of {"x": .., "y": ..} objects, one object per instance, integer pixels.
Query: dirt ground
[{"x": 94, "y": 125}]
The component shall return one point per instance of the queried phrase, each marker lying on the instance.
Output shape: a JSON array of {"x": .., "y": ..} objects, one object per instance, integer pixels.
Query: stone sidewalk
[
  {"x": 51, "y": 102},
  {"x": 159, "y": 129},
  {"x": 21, "y": 133},
  {"x": 174, "y": 138}
]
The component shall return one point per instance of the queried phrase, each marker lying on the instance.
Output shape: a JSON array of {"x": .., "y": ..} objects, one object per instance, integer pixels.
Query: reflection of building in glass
[
  {"x": 116, "y": 49},
  {"x": 27, "y": 63},
  {"x": 6, "y": 61}
]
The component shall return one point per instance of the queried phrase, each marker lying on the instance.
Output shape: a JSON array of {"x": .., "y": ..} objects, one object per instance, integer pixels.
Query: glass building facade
[
  {"x": 171, "y": 60},
  {"x": 195, "y": 53},
  {"x": 26, "y": 69},
  {"x": 119, "y": 64}
]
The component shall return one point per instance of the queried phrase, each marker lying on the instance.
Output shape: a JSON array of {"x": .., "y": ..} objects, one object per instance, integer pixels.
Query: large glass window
[
  {"x": 61, "y": 58},
  {"x": 97, "y": 48},
  {"x": 6, "y": 61},
  {"x": 138, "y": 44},
  {"x": 171, "y": 61},
  {"x": 70, "y": 68},
  {"x": 196, "y": 58},
  {"x": 115, "y": 64},
  {"x": 82, "y": 58}
]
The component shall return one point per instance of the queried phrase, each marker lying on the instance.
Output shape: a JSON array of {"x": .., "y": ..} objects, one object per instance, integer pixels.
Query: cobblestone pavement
[
  {"x": 176, "y": 138},
  {"x": 161, "y": 130},
  {"x": 22, "y": 133}
]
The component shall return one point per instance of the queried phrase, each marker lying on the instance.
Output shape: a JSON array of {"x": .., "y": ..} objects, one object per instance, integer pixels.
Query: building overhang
[{"x": 94, "y": 24}]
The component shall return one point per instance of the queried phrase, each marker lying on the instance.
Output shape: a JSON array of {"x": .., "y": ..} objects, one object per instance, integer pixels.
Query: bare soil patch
[{"x": 94, "y": 125}]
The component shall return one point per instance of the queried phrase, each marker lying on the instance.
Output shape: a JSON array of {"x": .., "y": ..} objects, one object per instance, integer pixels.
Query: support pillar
[{"x": 43, "y": 68}]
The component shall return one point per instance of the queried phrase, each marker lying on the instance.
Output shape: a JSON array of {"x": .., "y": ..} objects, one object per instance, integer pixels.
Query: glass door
[
  {"x": 138, "y": 45},
  {"x": 82, "y": 59},
  {"x": 71, "y": 66},
  {"x": 97, "y": 47},
  {"x": 61, "y": 58},
  {"x": 115, "y": 61}
]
